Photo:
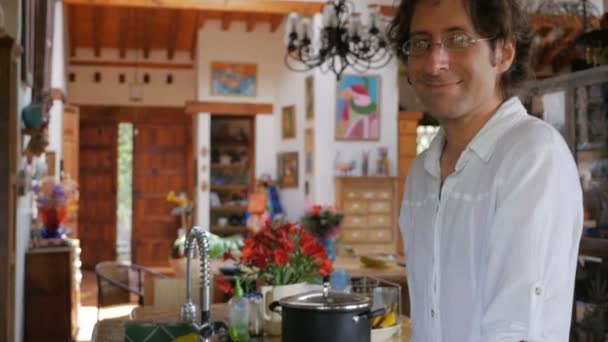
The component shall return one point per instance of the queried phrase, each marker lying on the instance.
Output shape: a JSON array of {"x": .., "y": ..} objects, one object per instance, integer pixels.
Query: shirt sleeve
[{"x": 532, "y": 246}]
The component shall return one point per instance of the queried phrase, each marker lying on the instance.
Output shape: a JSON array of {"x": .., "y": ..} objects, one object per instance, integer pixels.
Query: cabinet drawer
[
  {"x": 380, "y": 207},
  {"x": 355, "y": 207},
  {"x": 355, "y": 221},
  {"x": 352, "y": 194},
  {"x": 384, "y": 194},
  {"x": 380, "y": 235},
  {"x": 380, "y": 221},
  {"x": 367, "y": 194},
  {"x": 354, "y": 235}
]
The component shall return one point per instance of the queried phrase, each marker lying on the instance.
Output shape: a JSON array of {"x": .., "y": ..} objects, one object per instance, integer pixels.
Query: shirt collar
[{"x": 484, "y": 141}]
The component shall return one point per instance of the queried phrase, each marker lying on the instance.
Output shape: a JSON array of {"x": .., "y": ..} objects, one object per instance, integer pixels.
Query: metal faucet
[{"x": 188, "y": 311}]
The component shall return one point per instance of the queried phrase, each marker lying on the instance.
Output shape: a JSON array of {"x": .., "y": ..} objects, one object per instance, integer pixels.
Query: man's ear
[{"x": 505, "y": 54}]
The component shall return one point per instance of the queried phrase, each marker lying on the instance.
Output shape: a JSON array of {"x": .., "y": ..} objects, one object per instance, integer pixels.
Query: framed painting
[
  {"x": 287, "y": 172},
  {"x": 309, "y": 98},
  {"x": 233, "y": 79},
  {"x": 288, "y": 122},
  {"x": 309, "y": 151},
  {"x": 358, "y": 108}
]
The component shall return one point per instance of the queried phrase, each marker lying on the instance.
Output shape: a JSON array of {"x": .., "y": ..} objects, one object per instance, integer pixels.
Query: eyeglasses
[{"x": 455, "y": 41}]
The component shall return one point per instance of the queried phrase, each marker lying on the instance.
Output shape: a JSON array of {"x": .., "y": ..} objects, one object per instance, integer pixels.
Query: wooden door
[
  {"x": 408, "y": 123},
  {"x": 69, "y": 155},
  {"x": 97, "y": 175},
  {"x": 162, "y": 162}
]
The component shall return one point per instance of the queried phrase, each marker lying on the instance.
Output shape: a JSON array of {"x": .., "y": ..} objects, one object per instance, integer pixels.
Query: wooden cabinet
[
  {"x": 370, "y": 206},
  {"x": 408, "y": 124},
  {"x": 52, "y": 293}
]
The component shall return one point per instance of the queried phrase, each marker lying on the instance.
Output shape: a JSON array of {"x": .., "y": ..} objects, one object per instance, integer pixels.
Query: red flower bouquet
[
  {"x": 284, "y": 255},
  {"x": 322, "y": 222}
]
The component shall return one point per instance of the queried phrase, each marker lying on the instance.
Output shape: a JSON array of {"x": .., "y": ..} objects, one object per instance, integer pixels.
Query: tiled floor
[{"x": 87, "y": 313}]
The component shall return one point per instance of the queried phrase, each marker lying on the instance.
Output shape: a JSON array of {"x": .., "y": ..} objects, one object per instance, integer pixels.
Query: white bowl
[{"x": 385, "y": 334}]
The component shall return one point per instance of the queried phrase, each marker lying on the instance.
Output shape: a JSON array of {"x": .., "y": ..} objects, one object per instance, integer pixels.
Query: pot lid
[{"x": 327, "y": 301}]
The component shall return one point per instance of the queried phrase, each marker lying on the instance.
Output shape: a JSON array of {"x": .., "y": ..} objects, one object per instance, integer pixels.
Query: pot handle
[
  {"x": 274, "y": 306},
  {"x": 369, "y": 315}
]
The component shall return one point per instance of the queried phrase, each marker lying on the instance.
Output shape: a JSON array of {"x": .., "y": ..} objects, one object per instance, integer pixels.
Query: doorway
[{"x": 130, "y": 159}]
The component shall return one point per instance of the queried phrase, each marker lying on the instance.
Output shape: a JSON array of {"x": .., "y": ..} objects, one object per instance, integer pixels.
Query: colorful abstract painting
[
  {"x": 358, "y": 108},
  {"x": 233, "y": 79},
  {"x": 288, "y": 122},
  {"x": 287, "y": 164},
  {"x": 309, "y": 98}
]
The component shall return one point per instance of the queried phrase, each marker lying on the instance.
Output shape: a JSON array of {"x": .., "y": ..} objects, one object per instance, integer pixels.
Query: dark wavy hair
[{"x": 500, "y": 19}]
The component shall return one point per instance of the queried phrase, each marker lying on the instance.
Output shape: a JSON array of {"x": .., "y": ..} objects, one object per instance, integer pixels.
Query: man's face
[{"x": 451, "y": 83}]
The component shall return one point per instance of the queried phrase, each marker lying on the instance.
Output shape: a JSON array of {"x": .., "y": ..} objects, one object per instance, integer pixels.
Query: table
[{"x": 112, "y": 330}]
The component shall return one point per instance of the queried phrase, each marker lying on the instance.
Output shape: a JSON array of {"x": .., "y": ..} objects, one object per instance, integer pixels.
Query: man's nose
[{"x": 437, "y": 59}]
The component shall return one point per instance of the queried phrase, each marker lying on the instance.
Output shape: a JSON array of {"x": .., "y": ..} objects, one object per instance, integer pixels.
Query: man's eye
[
  {"x": 420, "y": 45},
  {"x": 458, "y": 40}
]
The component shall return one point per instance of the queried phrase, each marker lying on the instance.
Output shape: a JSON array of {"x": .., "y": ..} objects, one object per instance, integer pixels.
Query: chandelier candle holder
[{"x": 344, "y": 40}]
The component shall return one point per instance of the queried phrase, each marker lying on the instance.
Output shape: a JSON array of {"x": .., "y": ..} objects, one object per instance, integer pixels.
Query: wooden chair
[{"x": 114, "y": 283}]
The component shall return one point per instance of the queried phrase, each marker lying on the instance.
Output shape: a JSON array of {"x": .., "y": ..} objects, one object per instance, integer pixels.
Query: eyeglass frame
[{"x": 441, "y": 44}]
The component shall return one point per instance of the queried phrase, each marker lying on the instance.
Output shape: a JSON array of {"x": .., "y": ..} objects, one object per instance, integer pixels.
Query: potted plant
[
  {"x": 284, "y": 258},
  {"x": 324, "y": 224}
]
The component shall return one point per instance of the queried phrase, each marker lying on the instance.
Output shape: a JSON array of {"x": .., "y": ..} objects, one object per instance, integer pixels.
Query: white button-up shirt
[{"x": 491, "y": 255}]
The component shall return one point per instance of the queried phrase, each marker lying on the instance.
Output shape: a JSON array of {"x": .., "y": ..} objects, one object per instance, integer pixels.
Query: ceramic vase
[{"x": 272, "y": 320}]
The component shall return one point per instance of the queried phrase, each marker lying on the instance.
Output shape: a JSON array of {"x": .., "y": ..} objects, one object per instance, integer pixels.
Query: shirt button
[
  {"x": 432, "y": 313},
  {"x": 538, "y": 291}
]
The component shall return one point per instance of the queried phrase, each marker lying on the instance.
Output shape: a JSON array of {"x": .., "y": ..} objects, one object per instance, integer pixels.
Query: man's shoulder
[{"x": 530, "y": 133}]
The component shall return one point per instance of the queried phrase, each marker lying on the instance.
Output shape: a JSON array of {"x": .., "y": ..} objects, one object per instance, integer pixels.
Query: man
[{"x": 492, "y": 212}]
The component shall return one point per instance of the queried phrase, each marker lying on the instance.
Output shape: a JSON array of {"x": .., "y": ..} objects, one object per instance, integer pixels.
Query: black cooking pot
[{"x": 325, "y": 316}]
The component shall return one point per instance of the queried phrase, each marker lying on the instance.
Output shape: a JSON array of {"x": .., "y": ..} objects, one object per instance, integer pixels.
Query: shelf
[
  {"x": 231, "y": 208},
  {"x": 229, "y": 144},
  {"x": 230, "y": 187},
  {"x": 229, "y": 166},
  {"x": 229, "y": 229}
]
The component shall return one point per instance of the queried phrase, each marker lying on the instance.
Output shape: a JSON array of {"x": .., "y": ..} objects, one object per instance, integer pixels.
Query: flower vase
[
  {"x": 272, "y": 320},
  {"x": 52, "y": 218},
  {"x": 329, "y": 248}
]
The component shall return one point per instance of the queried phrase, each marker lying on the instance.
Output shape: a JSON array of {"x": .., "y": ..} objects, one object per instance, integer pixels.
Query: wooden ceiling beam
[
  {"x": 198, "y": 24},
  {"x": 226, "y": 21},
  {"x": 149, "y": 18},
  {"x": 258, "y": 6},
  {"x": 275, "y": 22},
  {"x": 250, "y": 23},
  {"x": 123, "y": 32},
  {"x": 72, "y": 29},
  {"x": 173, "y": 32},
  {"x": 97, "y": 29}
]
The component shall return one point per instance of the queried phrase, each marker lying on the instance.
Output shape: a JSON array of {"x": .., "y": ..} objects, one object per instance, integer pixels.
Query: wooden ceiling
[{"x": 169, "y": 25}]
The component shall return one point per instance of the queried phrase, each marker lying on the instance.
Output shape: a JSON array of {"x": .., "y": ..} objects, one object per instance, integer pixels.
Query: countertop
[{"x": 112, "y": 330}]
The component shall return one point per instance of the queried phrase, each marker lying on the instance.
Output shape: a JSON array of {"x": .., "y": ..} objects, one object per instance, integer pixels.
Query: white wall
[
  {"x": 282, "y": 87},
  {"x": 23, "y": 206},
  {"x": 261, "y": 47},
  {"x": 110, "y": 92},
  {"x": 58, "y": 71}
]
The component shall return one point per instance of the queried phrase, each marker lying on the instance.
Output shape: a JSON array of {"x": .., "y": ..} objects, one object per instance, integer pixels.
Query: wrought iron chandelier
[{"x": 343, "y": 41}]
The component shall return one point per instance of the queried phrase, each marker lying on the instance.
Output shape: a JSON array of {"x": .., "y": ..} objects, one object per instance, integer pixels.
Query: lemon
[
  {"x": 376, "y": 321},
  {"x": 389, "y": 320},
  {"x": 187, "y": 338}
]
